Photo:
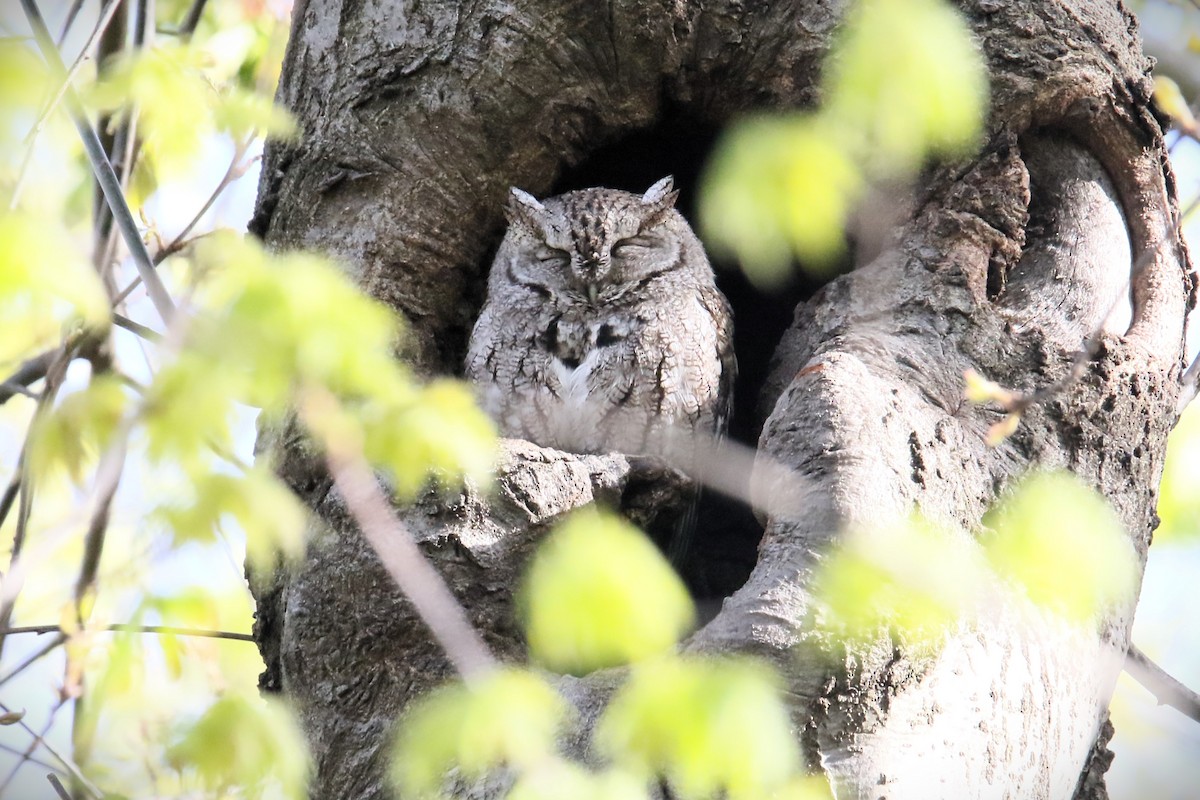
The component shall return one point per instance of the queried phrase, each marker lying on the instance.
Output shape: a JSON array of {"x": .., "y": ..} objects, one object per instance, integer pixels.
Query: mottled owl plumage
[{"x": 603, "y": 327}]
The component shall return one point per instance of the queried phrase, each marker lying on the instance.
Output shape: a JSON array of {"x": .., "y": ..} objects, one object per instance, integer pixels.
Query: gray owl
[{"x": 603, "y": 330}]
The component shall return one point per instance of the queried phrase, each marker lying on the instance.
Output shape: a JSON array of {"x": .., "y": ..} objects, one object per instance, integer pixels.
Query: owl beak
[{"x": 592, "y": 292}]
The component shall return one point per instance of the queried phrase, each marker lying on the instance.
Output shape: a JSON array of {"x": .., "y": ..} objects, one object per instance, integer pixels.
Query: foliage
[
  {"x": 904, "y": 82},
  {"x": 176, "y": 714},
  {"x": 1179, "y": 494},
  {"x": 252, "y": 329},
  {"x": 589, "y": 588},
  {"x": 1052, "y": 542},
  {"x": 709, "y": 727}
]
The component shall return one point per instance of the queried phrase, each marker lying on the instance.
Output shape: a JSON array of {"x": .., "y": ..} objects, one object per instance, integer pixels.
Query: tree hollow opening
[{"x": 726, "y": 539}]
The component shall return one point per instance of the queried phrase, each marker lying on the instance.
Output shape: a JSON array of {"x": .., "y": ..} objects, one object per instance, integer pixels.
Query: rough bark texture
[{"x": 418, "y": 117}]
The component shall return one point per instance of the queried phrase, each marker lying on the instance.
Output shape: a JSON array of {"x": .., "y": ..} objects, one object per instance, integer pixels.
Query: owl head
[{"x": 594, "y": 245}]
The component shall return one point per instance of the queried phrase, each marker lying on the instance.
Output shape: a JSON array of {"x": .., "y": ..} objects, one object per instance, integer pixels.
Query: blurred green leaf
[
  {"x": 1179, "y": 492},
  {"x": 1063, "y": 546},
  {"x": 79, "y": 428},
  {"x": 269, "y": 514},
  {"x": 908, "y": 80},
  {"x": 780, "y": 187},
  {"x": 274, "y": 324},
  {"x": 45, "y": 283},
  {"x": 1171, "y": 100},
  {"x": 178, "y": 103},
  {"x": 904, "y": 81},
  {"x": 910, "y": 577},
  {"x": 556, "y": 779},
  {"x": 246, "y": 744},
  {"x": 709, "y": 726},
  {"x": 599, "y": 593},
  {"x": 507, "y": 718},
  {"x": 25, "y": 81}
]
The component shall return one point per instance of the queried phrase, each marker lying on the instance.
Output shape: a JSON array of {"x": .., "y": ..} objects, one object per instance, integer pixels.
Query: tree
[{"x": 1009, "y": 263}]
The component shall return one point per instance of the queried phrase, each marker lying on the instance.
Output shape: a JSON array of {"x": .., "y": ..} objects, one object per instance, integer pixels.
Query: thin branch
[
  {"x": 33, "y": 658},
  {"x": 72, "y": 12},
  {"x": 103, "y": 170},
  {"x": 71, "y": 767},
  {"x": 32, "y": 760},
  {"x": 232, "y": 173},
  {"x": 1166, "y": 689},
  {"x": 108, "y": 478},
  {"x": 59, "y": 789},
  {"x": 394, "y": 544},
  {"x": 31, "y": 371},
  {"x": 149, "y": 334},
  {"x": 27, "y": 756},
  {"x": 31, "y": 138},
  {"x": 192, "y": 19},
  {"x": 124, "y": 627},
  {"x": 11, "y": 586}
]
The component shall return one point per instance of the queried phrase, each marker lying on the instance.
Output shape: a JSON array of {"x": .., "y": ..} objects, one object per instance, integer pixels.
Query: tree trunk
[{"x": 418, "y": 117}]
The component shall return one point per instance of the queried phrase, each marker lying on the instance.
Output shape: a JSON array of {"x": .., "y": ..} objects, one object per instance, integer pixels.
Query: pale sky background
[{"x": 1157, "y": 748}]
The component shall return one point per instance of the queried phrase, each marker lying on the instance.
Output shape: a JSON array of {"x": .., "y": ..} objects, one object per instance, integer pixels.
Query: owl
[{"x": 603, "y": 329}]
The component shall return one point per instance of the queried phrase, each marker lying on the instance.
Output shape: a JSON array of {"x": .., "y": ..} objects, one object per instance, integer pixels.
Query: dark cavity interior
[{"x": 725, "y": 542}]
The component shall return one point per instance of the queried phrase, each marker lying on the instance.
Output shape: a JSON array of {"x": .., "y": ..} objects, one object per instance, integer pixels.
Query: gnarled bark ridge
[{"x": 418, "y": 117}]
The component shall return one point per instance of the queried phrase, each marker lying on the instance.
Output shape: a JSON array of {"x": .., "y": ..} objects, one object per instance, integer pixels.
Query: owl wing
[{"x": 717, "y": 307}]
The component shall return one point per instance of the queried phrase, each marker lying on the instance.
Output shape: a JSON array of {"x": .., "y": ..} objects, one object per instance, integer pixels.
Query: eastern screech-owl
[{"x": 603, "y": 328}]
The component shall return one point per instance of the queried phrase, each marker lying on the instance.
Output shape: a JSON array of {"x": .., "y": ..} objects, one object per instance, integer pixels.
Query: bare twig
[
  {"x": 11, "y": 585},
  {"x": 137, "y": 328},
  {"x": 108, "y": 477},
  {"x": 1166, "y": 689},
  {"x": 34, "y": 657},
  {"x": 31, "y": 137},
  {"x": 27, "y": 754},
  {"x": 103, "y": 170},
  {"x": 170, "y": 630},
  {"x": 397, "y": 550},
  {"x": 235, "y": 171},
  {"x": 59, "y": 789},
  {"x": 71, "y": 767},
  {"x": 31, "y": 371},
  {"x": 32, "y": 760},
  {"x": 192, "y": 19}
]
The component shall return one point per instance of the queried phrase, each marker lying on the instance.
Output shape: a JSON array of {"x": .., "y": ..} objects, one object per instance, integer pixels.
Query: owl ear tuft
[
  {"x": 522, "y": 207},
  {"x": 662, "y": 195}
]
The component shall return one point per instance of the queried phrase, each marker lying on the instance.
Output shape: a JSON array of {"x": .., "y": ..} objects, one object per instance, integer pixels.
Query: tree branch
[
  {"x": 106, "y": 16},
  {"x": 394, "y": 545},
  {"x": 1165, "y": 688},
  {"x": 126, "y": 627},
  {"x": 103, "y": 169}
]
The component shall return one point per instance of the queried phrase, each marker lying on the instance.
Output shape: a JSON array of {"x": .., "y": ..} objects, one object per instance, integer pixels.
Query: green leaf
[
  {"x": 909, "y": 577},
  {"x": 79, "y": 428},
  {"x": 438, "y": 429},
  {"x": 708, "y": 726},
  {"x": 1062, "y": 546},
  {"x": 507, "y": 718},
  {"x": 247, "y": 744},
  {"x": 556, "y": 779},
  {"x": 271, "y": 517},
  {"x": 599, "y": 593},
  {"x": 24, "y": 78},
  {"x": 907, "y": 80},
  {"x": 178, "y": 104},
  {"x": 275, "y": 324},
  {"x": 780, "y": 187},
  {"x": 46, "y": 283},
  {"x": 1179, "y": 492}
]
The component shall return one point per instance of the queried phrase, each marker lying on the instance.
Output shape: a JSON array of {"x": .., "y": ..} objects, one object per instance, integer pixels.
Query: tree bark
[{"x": 417, "y": 118}]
